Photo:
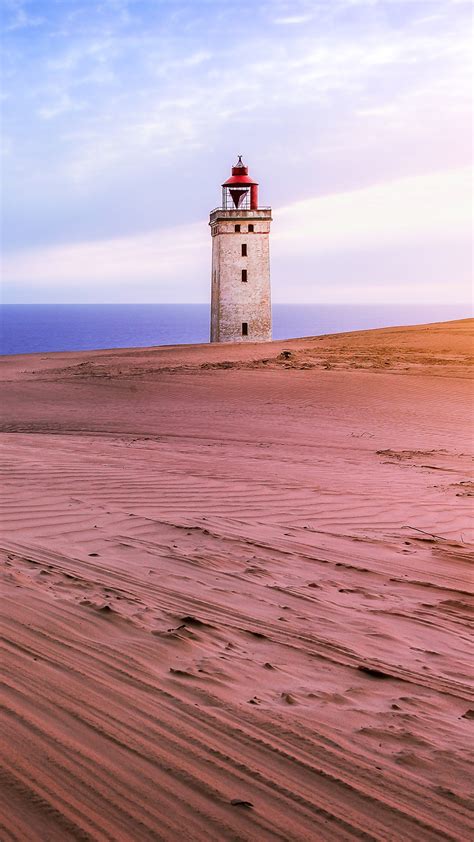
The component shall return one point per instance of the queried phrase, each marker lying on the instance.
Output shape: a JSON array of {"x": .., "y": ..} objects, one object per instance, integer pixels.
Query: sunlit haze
[{"x": 121, "y": 118}]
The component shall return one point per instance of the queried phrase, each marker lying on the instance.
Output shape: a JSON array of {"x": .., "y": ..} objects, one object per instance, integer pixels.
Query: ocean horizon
[{"x": 37, "y": 328}]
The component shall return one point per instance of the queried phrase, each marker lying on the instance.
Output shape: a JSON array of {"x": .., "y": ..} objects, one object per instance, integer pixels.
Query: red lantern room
[{"x": 240, "y": 192}]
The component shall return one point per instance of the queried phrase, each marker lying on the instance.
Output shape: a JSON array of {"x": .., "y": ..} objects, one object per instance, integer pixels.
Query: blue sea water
[{"x": 32, "y": 328}]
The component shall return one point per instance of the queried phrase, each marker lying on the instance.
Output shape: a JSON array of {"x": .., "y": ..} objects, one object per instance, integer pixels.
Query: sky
[{"x": 121, "y": 119}]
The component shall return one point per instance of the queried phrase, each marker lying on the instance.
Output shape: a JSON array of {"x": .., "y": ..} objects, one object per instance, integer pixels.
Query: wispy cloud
[
  {"x": 292, "y": 20},
  {"x": 123, "y": 116},
  {"x": 17, "y": 17}
]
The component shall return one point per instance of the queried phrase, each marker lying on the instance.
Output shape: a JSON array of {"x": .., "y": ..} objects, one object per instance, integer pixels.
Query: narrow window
[
  {"x": 237, "y": 228},
  {"x": 244, "y": 276},
  {"x": 250, "y": 227},
  {"x": 244, "y": 249},
  {"x": 245, "y": 329}
]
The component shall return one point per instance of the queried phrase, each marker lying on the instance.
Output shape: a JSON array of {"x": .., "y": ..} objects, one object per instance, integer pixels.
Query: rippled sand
[{"x": 235, "y": 588}]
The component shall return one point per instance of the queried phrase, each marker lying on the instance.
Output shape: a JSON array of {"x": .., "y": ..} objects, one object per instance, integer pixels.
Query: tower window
[
  {"x": 245, "y": 329},
  {"x": 251, "y": 228},
  {"x": 244, "y": 276},
  {"x": 244, "y": 249},
  {"x": 237, "y": 228}
]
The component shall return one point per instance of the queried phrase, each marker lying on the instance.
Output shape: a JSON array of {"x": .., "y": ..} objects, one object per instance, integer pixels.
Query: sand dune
[{"x": 236, "y": 591}]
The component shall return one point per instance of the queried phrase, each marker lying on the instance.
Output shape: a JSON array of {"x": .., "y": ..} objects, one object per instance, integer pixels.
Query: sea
[{"x": 35, "y": 328}]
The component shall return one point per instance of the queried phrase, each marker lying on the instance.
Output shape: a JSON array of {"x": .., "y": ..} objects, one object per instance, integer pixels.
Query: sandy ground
[{"x": 235, "y": 591}]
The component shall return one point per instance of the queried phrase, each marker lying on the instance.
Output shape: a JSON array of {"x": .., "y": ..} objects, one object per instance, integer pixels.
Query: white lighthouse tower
[{"x": 240, "y": 285}]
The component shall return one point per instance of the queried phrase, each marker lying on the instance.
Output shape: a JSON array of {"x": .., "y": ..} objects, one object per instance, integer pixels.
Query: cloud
[
  {"x": 123, "y": 117},
  {"x": 17, "y": 17},
  {"x": 403, "y": 241},
  {"x": 292, "y": 20},
  {"x": 428, "y": 214},
  {"x": 160, "y": 263},
  {"x": 424, "y": 208}
]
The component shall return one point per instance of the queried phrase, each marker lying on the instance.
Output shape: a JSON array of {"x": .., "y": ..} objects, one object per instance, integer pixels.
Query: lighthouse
[{"x": 240, "y": 282}]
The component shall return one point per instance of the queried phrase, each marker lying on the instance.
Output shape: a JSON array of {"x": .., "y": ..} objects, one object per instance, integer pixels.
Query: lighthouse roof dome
[{"x": 240, "y": 174}]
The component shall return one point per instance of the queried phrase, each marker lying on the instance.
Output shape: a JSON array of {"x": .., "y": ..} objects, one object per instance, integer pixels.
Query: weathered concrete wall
[{"x": 234, "y": 301}]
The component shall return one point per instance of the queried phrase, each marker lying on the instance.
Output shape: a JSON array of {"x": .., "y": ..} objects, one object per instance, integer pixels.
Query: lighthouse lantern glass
[{"x": 236, "y": 198}]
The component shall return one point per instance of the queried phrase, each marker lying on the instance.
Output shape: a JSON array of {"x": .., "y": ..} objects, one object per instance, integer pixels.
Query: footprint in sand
[
  {"x": 374, "y": 673},
  {"x": 289, "y": 699},
  {"x": 469, "y": 714}
]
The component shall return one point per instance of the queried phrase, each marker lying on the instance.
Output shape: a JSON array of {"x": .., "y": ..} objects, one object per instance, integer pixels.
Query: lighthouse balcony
[{"x": 240, "y": 214}]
